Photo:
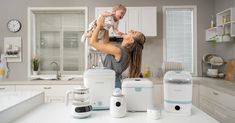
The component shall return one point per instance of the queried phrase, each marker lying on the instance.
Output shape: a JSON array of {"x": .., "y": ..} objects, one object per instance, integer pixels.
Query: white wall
[{"x": 153, "y": 49}]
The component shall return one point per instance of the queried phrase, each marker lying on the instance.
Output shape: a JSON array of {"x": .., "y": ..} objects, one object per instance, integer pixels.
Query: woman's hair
[
  {"x": 135, "y": 58},
  {"x": 119, "y": 7}
]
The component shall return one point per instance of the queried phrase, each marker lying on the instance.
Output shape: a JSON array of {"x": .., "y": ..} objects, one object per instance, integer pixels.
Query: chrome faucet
[{"x": 58, "y": 75}]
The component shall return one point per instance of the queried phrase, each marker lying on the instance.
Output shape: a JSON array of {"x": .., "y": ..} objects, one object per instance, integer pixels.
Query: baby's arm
[{"x": 117, "y": 32}]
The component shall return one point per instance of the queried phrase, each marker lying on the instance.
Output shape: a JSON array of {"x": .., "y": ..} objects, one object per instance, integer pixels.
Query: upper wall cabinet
[
  {"x": 224, "y": 30},
  {"x": 143, "y": 19}
]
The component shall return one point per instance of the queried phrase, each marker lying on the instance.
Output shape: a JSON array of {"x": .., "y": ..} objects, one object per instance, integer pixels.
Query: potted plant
[{"x": 35, "y": 65}]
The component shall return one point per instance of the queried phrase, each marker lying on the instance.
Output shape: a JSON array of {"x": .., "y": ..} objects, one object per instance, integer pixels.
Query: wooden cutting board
[{"x": 230, "y": 70}]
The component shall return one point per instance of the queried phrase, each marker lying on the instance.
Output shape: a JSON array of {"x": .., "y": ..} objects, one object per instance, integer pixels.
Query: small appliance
[
  {"x": 101, "y": 83},
  {"x": 138, "y": 93},
  {"x": 81, "y": 107},
  {"x": 117, "y": 104},
  {"x": 178, "y": 92}
]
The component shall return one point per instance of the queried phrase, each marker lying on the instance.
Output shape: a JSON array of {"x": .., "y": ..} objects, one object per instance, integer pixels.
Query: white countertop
[{"x": 59, "y": 113}]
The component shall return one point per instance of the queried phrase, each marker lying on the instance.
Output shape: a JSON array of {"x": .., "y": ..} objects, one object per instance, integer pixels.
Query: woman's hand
[{"x": 100, "y": 22}]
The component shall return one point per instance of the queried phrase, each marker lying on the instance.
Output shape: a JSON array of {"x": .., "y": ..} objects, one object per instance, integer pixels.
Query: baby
[{"x": 111, "y": 20}]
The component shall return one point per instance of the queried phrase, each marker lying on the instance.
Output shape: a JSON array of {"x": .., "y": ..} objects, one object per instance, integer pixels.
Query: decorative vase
[{"x": 35, "y": 72}]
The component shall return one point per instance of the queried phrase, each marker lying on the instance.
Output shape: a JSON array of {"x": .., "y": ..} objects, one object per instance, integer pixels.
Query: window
[
  {"x": 180, "y": 36},
  {"x": 54, "y": 36}
]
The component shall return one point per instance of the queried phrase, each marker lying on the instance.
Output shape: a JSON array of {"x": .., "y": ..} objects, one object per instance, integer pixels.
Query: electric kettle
[
  {"x": 117, "y": 104},
  {"x": 80, "y": 107}
]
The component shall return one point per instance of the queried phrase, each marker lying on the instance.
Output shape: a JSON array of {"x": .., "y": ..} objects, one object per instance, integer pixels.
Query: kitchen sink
[{"x": 63, "y": 78}]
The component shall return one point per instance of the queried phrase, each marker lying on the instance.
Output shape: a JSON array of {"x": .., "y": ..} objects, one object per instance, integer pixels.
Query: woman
[{"x": 119, "y": 58}]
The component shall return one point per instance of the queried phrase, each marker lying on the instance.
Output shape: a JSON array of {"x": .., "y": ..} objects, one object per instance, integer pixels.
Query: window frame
[
  {"x": 194, "y": 8},
  {"x": 31, "y": 17}
]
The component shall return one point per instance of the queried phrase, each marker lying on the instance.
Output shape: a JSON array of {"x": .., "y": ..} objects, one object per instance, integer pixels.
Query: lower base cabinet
[
  {"x": 7, "y": 88},
  {"x": 210, "y": 103},
  {"x": 158, "y": 95},
  {"x": 195, "y": 98},
  {"x": 53, "y": 93}
]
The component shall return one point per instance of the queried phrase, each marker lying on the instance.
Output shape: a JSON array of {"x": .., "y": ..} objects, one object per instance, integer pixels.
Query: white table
[{"x": 59, "y": 113}]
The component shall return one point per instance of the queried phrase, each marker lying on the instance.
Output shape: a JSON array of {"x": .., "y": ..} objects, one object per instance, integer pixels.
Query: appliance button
[
  {"x": 118, "y": 104},
  {"x": 177, "y": 107}
]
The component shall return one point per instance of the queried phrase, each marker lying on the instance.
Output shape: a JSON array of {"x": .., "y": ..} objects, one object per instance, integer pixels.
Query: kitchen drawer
[
  {"x": 219, "y": 97},
  {"x": 7, "y": 88},
  {"x": 55, "y": 99},
  {"x": 53, "y": 93},
  {"x": 226, "y": 100},
  {"x": 223, "y": 114},
  {"x": 50, "y": 90},
  {"x": 207, "y": 106},
  {"x": 195, "y": 98},
  {"x": 208, "y": 92}
]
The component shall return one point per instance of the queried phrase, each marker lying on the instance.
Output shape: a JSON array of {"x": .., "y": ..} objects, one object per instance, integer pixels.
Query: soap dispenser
[{"x": 147, "y": 72}]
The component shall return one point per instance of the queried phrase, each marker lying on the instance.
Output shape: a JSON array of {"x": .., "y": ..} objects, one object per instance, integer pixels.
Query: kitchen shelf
[
  {"x": 211, "y": 34},
  {"x": 225, "y": 24},
  {"x": 11, "y": 56},
  {"x": 225, "y": 21}
]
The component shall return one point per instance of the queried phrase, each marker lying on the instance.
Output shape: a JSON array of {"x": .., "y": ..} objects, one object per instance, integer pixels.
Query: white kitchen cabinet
[
  {"x": 219, "y": 105},
  {"x": 148, "y": 21},
  {"x": 133, "y": 18},
  {"x": 158, "y": 95},
  {"x": 53, "y": 93},
  {"x": 143, "y": 19},
  {"x": 195, "y": 99},
  {"x": 7, "y": 88}
]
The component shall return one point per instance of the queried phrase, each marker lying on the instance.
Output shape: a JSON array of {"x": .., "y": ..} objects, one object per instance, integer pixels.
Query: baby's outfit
[{"x": 108, "y": 23}]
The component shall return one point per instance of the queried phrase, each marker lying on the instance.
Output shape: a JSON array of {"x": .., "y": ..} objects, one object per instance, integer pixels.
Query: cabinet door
[
  {"x": 100, "y": 10},
  {"x": 133, "y": 18},
  {"x": 223, "y": 114},
  {"x": 7, "y": 88},
  {"x": 195, "y": 98},
  {"x": 207, "y": 106},
  {"x": 158, "y": 95},
  {"x": 148, "y": 20},
  {"x": 226, "y": 100}
]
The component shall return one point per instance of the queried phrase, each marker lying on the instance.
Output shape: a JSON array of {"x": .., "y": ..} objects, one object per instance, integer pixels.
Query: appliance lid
[
  {"x": 99, "y": 72},
  {"x": 178, "y": 77},
  {"x": 137, "y": 82}
]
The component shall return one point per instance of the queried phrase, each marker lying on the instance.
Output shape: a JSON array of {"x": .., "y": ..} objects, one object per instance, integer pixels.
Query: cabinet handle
[
  {"x": 2, "y": 88},
  {"x": 215, "y": 93},
  {"x": 46, "y": 87}
]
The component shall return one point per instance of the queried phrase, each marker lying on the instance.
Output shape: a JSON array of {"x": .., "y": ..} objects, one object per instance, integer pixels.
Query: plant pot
[{"x": 35, "y": 72}]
